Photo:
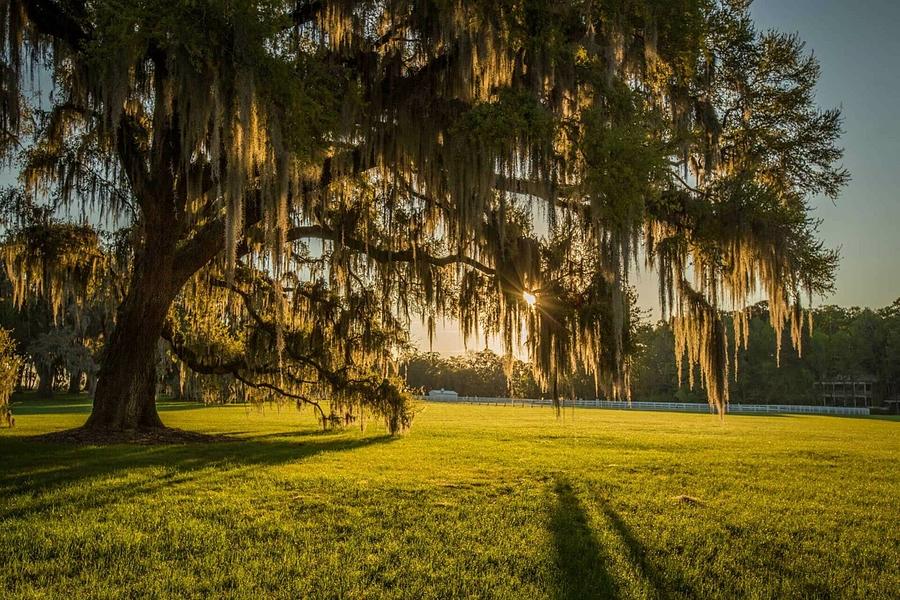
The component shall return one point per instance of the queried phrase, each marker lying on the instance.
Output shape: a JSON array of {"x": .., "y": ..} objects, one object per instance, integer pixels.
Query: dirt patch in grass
[{"x": 688, "y": 500}]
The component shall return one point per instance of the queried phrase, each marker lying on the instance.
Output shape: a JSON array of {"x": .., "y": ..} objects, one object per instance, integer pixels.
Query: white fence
[{"x": 662, "y": 406}]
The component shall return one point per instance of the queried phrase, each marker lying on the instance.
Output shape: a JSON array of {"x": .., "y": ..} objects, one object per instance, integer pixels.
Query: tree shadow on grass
[
  {"x": 666, "y": 585},
  {"x": 585, "y": 565},
  {"x": 50, "y": 473},
  {"x": 580, "y": 559},
  {"x": 51, "y": 407}
]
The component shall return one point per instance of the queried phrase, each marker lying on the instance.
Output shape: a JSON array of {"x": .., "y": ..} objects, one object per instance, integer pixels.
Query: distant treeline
[{"x": 845, "y": 343}]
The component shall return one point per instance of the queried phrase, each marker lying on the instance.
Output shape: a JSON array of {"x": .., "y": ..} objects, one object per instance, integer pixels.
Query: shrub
[{"x": 10, "y": 363}]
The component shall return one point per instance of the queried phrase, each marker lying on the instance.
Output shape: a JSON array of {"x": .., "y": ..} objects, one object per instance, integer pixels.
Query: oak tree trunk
[
  {"x": 75, "y": 382},
  {"x": 91, "y": 383},
  {"x": 46, "y": 376},
  {"x": 125, "y": 396}
]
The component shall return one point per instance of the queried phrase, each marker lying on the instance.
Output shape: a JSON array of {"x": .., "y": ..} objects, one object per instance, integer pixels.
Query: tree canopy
[{"x": 299, "y": 180}]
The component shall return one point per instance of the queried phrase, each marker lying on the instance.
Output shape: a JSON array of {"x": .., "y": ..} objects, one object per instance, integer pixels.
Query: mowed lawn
[{"x": 474, "y": 502}]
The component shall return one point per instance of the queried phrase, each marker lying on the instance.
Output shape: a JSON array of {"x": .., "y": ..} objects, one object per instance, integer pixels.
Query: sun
[{"x": 530, "y": 298}]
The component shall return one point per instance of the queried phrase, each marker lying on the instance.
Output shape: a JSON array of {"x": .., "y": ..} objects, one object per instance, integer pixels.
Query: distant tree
[
  {"x": 654, "y": 377},
  {"x": 483, "y": 373},
  {"x": 849, "y": 343},
  {"x": 889, "y": 373},
  {"x": 316, "y": 172},
  {"x": 63, "y": 339},
  {"x": 60, "y": 352},
  {"x": 522, "y": 383}
]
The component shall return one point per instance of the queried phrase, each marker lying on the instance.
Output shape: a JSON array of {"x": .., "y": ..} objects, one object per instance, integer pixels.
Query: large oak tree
[{"x": 316, "y": 174}]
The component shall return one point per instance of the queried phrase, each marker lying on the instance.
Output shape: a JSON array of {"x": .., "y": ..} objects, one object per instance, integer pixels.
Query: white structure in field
[{"x": 443, "y": 394}]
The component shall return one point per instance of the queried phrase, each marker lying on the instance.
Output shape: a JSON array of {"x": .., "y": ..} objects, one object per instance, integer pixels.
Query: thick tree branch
[
  {"x": 200, "y": 250},
  {"x": 133, "y": 161},
  {"x": 236, "y": 368},
  {"x": 306, "y": 11},
  {"x": 300, "y": 399},
  {"x": 386, "y": 255},
  {"x": 335, "y": 378},
  {"x": 190, "y": 358},
  {"x": 49, "y": 18}
]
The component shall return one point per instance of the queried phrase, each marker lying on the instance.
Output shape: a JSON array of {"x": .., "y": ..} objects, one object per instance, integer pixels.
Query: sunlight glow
[{"x": 530, "y": 298}]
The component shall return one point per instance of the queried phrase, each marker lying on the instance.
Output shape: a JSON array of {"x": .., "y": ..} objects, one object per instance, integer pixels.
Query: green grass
[{"x": 488, "y": 502}]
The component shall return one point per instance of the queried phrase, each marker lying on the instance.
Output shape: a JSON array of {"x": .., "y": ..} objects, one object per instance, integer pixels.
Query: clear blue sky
[{"x": 859, "y": 49}]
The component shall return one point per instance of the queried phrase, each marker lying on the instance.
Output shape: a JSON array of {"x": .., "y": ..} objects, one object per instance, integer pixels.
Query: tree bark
[
  {"x": 46, "y": 375},
  {"x": 125, "y": 397},
  {"x": 125, "y": 393},
  {"x": 75, "y": 382},
  {"x": 178, "y": 383},
  {"x": 91, "y": 383}
]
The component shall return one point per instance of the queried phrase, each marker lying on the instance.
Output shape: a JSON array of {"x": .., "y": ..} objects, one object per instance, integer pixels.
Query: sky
[{"x": 859, "y": 51}]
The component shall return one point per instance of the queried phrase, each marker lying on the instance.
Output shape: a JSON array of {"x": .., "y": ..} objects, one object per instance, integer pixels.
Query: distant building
[
  {"x": 846, "y": 391},
  {"x": 891, "y": 397},
  {"x": 442, "y": 394}
]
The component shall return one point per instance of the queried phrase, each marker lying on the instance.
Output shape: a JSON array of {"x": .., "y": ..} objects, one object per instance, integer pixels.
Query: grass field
[{"x": 488, "y": 502}]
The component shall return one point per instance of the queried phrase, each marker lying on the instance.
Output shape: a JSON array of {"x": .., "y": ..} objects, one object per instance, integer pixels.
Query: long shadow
[
  {"x": 40, "y": 469},
  {"x": 68, "y": 408},
  {"x": 30, "y": 404},
  {"x": 672, "y": 584},
  {"x": 580, "y": 560}
]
